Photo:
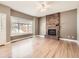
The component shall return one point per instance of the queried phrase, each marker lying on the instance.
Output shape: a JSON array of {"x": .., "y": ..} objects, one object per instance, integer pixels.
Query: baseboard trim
[
  {"x": 19, "y": 39},
  {"x": 70, "y": 40},
  {"x": 5, "y": 44},
  {"x": 14, "y": 41},
  {"x": 41, "y": 36}
]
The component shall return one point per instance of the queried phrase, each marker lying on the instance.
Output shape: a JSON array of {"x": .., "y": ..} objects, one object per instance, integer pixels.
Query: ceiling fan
[{"x": 43, "y": 6}]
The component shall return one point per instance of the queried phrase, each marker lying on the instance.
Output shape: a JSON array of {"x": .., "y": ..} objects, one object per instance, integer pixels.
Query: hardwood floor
[
  {"x": 40, "y": 47},
  {"x": 5, "y": 51},
  {"x": 54, "y": 48}
]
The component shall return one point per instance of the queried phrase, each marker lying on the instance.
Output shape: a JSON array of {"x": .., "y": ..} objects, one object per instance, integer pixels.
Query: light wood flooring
[
  {"x": 50, "y": 48},
  {"x": 5, "y": 51},
  {"x": 40, "y": 47}
]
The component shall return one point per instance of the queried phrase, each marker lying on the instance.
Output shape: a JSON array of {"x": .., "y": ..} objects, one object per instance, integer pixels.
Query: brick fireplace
[{"x": 53, "y": 25}]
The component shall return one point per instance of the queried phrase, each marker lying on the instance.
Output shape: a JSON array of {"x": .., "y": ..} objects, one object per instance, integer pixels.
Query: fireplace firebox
[{"x": 52, "y": 32}]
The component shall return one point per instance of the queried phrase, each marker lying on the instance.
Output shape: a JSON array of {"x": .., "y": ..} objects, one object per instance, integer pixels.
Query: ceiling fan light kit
[{"x": 43, "y": 6}]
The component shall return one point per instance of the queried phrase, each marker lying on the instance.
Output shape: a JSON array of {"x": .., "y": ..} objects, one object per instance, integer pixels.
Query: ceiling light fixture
[{"x": 43, "y": 6}]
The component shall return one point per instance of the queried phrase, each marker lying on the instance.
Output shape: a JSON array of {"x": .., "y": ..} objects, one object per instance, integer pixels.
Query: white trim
[
  {"x": 76, "y": 41},
  {"x": 20, "y": 39},
  {"x": 15, "y": 40}
]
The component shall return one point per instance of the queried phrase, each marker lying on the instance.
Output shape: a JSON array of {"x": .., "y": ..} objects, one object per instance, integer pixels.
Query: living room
[{"x": 42, "y": 29}]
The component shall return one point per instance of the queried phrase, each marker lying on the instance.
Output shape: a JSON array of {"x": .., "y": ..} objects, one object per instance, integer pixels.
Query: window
[
  {"x": 20, "y": 25},
  {"x": 14, "y": 28},
  {"x": 25, "y": 28}
]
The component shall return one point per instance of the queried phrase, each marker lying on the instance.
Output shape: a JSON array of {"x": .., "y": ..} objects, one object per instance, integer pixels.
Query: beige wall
[
  {"x": 6, "y": 10},
  {"x": 35, "y": 26},
  {"x": 42, "y": 26},
  {"x": 22, "y": 15},
  {"x": 78, "y": 24},
  {"x": 68, "y": 23}
]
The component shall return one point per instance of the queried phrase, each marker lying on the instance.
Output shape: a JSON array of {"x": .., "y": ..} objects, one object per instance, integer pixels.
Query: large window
[{"x": 20, "y": 26}]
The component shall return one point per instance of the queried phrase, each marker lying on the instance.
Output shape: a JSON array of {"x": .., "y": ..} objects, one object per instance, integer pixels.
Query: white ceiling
[{"x": 29, "y": 7}]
